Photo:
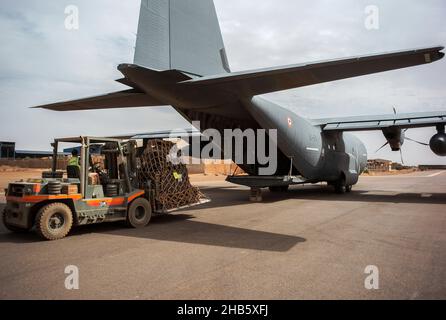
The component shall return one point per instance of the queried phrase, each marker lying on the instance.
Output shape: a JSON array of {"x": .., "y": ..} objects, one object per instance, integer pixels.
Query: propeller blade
[
  {"x": 394, "y": 110},
  {"x": 382, "y": 147},
  {"x": 422, "y": 143},
  {"x": 401, "y": 153}
]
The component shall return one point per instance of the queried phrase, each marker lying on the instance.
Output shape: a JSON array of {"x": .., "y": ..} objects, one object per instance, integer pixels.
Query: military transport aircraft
[{"x": 180, "y": 60}]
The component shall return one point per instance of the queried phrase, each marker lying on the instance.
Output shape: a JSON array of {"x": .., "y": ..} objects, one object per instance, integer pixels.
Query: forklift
[{"x": 105, "y": 191}]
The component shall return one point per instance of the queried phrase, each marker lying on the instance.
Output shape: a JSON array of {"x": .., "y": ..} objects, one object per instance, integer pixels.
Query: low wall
[
  {"x": 195, "y": 168},
  {"x": 203, "y": 168},
  {"x": 34, "y": 163},
  {"x": 221, "y": 169},
  {"x": 213, "y": 169}
]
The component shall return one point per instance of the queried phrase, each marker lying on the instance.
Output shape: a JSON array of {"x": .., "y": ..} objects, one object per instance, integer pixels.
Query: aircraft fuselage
[{"x": 316, "y": 155}]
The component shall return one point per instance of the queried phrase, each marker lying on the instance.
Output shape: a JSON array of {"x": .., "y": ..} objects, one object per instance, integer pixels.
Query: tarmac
[{"x": 309, "y": 243}]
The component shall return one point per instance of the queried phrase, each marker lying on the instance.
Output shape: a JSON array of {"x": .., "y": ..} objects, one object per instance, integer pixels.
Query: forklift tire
[
  {"x": 12, "y": 228},
  {"x": 54, "y": 221},
  {"x": 139, "y": 213}
]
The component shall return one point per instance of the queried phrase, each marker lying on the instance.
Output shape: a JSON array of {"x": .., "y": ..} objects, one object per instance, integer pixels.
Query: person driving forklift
[{"x": 74, "y": 167}]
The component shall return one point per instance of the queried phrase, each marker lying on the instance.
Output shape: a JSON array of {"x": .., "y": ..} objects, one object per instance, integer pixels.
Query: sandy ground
[{"x": 308, "y": 243}]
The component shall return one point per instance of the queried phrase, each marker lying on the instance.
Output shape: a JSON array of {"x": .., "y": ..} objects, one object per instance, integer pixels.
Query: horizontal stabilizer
[
  {"x": 251, "y": 83},
  {"x": 122, "y": 99}
]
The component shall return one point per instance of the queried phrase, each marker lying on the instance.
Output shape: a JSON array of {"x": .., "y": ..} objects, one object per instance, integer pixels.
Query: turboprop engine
[
  {"x": 438, "y": 142},
  {"x": 395, "y": 137}
]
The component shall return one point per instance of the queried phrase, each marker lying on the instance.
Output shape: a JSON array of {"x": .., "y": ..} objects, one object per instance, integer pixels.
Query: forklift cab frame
[{"x": 85, "y": 145}]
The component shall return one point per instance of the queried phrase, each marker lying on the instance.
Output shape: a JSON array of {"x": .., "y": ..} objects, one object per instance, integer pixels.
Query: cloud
[{"x": 42, "y": 62}]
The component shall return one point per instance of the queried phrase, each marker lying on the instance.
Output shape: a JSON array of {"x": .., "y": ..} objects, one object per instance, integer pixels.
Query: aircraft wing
[
  {"x": 250, "y": 83},
  {"x": 121, "y": 99},
  {"x": 379, "y": 122},
  {"x": 165, "y": 134}
]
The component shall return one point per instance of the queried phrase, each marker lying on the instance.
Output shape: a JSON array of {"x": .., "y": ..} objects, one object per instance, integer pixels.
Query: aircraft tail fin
[{"x": 180, "y": 34}]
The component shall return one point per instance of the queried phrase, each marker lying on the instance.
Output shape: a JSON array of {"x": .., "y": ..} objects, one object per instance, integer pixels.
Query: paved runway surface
[{"x": 306, "y": 244}]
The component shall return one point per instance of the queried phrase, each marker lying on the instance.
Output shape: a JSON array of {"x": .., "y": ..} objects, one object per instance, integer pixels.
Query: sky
[{"x": 43, "y": 62}]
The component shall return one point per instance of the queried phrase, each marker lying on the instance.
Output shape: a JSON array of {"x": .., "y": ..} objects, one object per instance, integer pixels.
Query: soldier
[
  {"x": 74, "y": 160},
  {"x": 74, "y": 166}
]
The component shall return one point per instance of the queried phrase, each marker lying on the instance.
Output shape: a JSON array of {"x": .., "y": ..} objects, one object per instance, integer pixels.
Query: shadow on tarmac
[
  {"x": 180, "y": 228},
  {"x": 230, "y": 196}
]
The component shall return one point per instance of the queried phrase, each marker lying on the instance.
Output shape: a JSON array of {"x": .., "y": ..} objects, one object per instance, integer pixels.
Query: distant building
[
  {"x": 379, "y": 165},
  {"x": 28, "y": 154},
  {"x": 7, "y": 150}
]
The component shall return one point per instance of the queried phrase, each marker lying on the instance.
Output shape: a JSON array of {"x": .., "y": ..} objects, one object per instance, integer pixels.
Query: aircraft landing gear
[
  {"x": 341, "y": 186},
  {"x": 256, "y": 195}
]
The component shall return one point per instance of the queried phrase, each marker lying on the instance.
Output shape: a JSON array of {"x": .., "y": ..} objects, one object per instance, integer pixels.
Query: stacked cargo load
[{"x": 169, "y": 179}]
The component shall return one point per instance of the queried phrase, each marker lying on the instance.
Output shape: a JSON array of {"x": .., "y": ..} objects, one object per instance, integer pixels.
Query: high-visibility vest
[{"x": 74, "y": 161}]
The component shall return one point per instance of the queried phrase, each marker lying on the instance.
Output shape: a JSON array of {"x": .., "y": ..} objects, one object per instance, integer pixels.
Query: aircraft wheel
[
  {"x": 348, "y": 189},
  {"x": 139, "y": 213},
  {"x": 54, "y": 221},
  {"x": 340, "y": 186}
]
